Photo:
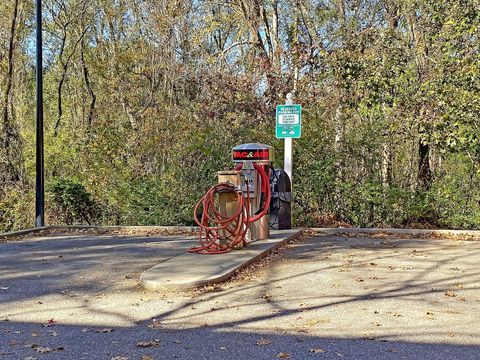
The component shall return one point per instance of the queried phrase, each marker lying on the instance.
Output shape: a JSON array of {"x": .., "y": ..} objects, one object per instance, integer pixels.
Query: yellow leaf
[
  {"x": 263, "y": 342},
  {"x": 450, "y": 293}
]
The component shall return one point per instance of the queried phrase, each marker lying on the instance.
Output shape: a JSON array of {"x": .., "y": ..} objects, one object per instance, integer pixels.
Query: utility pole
[{"x": 39, "y": 182}]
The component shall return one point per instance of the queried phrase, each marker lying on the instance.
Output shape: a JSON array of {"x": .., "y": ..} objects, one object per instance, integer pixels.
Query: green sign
[{"x": 289, "y": 121}]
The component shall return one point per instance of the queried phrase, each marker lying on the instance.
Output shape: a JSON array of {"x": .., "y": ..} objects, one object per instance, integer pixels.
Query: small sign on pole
[
  {"x": 288, "y": 127},
  {"x": 289, "y": 121}
]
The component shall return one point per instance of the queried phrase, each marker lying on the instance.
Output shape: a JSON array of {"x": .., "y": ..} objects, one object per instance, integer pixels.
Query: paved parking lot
[{"x": 77, "y": 297}]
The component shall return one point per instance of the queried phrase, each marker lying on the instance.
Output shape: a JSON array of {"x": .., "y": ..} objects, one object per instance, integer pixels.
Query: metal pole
[
  {"x": 39, "y": 183},
  {"x": 288, "y": 146}
]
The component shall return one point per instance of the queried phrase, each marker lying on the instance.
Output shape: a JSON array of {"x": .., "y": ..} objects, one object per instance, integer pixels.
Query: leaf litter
[
  {"x": 145, "y": 344},
  {"x": 263, "y": 342}
]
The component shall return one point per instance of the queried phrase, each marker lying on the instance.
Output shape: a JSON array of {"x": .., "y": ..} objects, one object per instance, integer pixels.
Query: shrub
[{"x": 72, "y": 202}]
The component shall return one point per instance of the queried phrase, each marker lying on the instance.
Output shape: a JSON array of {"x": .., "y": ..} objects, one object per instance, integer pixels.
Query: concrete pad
[{"x": 190, "y": 270}]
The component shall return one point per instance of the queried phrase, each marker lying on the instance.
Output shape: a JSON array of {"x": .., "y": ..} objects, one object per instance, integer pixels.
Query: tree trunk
[
  {"x": 10, "y": 160},
  {"x": 386, "y": 166},
  {"x": 88, "y": 84},
  {"x": 424, "y": 170},
  {"x": 424, "y": 178}
]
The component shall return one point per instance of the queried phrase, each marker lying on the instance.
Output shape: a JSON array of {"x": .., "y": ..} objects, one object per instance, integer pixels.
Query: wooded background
[{"x": 144, "y": 100}]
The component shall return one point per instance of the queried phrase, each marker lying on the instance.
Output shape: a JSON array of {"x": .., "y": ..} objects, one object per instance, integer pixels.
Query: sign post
[{"x": 288, "y": 127}]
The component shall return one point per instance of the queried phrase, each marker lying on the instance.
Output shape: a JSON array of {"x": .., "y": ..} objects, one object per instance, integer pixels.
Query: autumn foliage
[{"x": 144, "y": 100}]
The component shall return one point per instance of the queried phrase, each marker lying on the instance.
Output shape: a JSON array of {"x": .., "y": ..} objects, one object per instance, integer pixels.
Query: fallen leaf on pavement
[
  {"x": 450, "y": 293},
  {"x": 49, "y": 323},
  {"x": 145, "y": 344},
  {"x": 301, "y": 330},
  {"x": 263, "y": 342},
  {"x": 267, "y": 297},
  {"x": 314, "y": 322},
  {"x": 103, "y": 331},
  {"x": 283, "y": 355},
  {"x": 146, "y": 357},
  {"x": 155, "y": 324}
]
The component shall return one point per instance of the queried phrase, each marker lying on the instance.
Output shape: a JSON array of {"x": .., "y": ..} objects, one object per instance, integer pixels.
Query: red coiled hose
[{"x": 220, "y": 234}]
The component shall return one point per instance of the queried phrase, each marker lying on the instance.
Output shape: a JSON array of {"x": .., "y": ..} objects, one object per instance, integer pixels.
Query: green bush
[
  {"x": 456, "y": 194},
  {"x": 17, "y": 208},
  {"x": 72, "y": 202}
]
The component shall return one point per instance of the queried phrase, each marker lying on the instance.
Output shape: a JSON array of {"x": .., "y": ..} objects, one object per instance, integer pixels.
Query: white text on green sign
[{"x": 289, "y": 121}]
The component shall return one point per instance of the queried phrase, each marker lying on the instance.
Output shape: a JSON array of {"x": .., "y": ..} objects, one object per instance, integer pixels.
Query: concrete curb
[
  {"x": 200, "y": 270},
  {"x": 188, "y": 229},
  {"x": 194, "y": 229},
  {"x": 342, "y": 231},
  {"x": 13, "y": 234},
  {"x": 166, "y": 229}
]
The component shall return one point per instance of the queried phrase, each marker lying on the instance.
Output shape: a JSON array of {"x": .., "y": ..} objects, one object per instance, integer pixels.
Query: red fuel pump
[{"x": 235, "y": 211}]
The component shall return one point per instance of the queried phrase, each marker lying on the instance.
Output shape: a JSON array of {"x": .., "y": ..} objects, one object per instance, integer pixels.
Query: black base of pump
[{"x": 281, "y": 203}]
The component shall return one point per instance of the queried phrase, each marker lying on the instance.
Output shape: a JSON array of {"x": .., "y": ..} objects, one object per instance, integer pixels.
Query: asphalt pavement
[{"x": 324, "y": 297}]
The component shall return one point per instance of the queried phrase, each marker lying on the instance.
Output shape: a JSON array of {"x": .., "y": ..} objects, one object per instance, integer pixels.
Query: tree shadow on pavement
[
  {"x": 326, "y": 297},
  {"x": 80, "y": 264},
  {"x": 21, "y": 340}
]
